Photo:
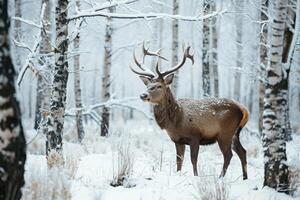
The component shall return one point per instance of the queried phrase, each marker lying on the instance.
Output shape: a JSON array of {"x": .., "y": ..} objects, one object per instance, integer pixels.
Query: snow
[{"x": 90, "y": 167}]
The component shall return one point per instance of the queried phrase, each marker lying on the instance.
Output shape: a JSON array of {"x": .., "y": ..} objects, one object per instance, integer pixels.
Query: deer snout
[{"x": 144, "y": 97}]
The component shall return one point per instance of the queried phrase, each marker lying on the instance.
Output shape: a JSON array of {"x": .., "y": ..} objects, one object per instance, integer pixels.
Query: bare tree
[
  {"x": 77, "y": 87},
  {"x": 12, "y": 140},
  {"x": 106, "y": 82},
  {"x": 239, "y": 8},
  {"x": 175, "y": 42},
  {"x": 275, "y": 102},
  {"x": 209, "y": 52},
  {"x": 214, "y": 50},
  {"x": 205, "y": 53},
  {"x": 263, "y": 60},
  {"x": 18, "y": 29},
  {"x": 55, "y": 120},
  {"x": 43, "y": 86},
  {"x": 287, "y": 57}
]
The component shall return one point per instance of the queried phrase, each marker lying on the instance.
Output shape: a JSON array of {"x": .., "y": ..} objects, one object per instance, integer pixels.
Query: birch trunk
[
  {"x": 288, "y": 54},
  {"x": 55, "y": 120},
  {"x": 43, "y": 88},
  {"x": 205, "y": 53},
  {"x": 12, "y": 140},
  {"x": 175, "y": 43},
  {"x": 274, "y": 140},
  {"x": 239, "y": 8},
  {"x": 213, "y": 58},
  {"x": 263, "y": 62},
  {"x": 18, "y": 31},
  {"x": 106, "y": 82},
  {"x": 77, "y": 87}
]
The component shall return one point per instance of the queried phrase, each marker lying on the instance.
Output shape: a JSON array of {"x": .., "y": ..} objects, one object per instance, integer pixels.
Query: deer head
[{"x": 157, "y": 84}]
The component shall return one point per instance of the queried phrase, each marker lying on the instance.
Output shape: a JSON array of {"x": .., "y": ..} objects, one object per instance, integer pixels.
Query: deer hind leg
[
  {"x": 241, "y": 152},
  {"x": 180, "y": 148},
  {"x": 227, "y": 155},
  {"x": 194, "y": 156}
]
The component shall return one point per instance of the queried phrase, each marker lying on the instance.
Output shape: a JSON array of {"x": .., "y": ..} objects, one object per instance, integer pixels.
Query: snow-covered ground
[{"x": 149, "y": 156}]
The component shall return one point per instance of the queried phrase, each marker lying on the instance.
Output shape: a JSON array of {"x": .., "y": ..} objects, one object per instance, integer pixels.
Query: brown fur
[
  {"x": 194, "y": 122},
  {"x": 202, "y": 122}
]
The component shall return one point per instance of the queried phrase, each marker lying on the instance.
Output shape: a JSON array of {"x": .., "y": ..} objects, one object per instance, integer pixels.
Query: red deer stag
[{"x": 193, "y": 122}]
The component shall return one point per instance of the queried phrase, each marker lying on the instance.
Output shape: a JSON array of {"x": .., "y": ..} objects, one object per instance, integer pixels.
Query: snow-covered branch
[
  {"x": 147, "y": 16},
  {"x": 33, "y": 51},
  {"x": 121, "y": 103},
  {"x": 26, "y": 21}
]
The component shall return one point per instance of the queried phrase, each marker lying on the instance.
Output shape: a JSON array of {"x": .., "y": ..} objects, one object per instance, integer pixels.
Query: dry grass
[
  {"x": 123, "y": 161},
  {"x": 209, "y": 188},
  {"x": 43, "y": 183}
]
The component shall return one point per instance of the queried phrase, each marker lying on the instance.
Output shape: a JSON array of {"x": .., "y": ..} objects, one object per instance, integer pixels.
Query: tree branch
[{"x": 147, "y": 16}]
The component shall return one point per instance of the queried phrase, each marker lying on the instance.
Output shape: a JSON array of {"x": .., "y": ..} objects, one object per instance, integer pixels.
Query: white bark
[
  {"x": 175, "y": 44},
  {"x": 12, "y": 140},
  {"x": 77, "y": 86},
  {"x": 55, "y": 120},
  {"x": 43, "y": 88},
  {"x": 276, "y": 170},
  {"x": 206, "y": 70},
  {"x": 239, "y": 8},
  {"x": 106, "y": 82}
]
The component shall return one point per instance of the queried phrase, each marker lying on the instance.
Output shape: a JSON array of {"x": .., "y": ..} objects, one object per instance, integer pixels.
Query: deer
[{"x": 192, "y": 122}]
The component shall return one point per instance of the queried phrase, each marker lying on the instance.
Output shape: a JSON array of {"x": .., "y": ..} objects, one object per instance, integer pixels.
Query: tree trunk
[
  {"x": 43, "y": 87},
  {"x": 287, "y": 58},
  {"x": 77, "y": 87},
  {"x": 214, "y": 46},
  {"x": 55, "y": 120},
  {"x": 12, "y": 140},
  {"x": 263, "y": 62},
  {"x": 106, "y": 82},
  {"x": 175, "y": 44},
  {"x": 17, "y": 31},
  {"x": 274, "y": 140},
  {"x": 205, "y": 52},
  {"x": 239, "y": 8}
]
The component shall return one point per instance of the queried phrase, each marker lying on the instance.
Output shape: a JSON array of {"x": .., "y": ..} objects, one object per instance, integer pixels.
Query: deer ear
[
  {"x": 146, "y": 80},
  {"x": 169, "y": 79}
]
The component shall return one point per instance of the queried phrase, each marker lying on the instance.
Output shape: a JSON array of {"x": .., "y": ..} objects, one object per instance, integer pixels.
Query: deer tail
[{"x": 245, "y": 117}]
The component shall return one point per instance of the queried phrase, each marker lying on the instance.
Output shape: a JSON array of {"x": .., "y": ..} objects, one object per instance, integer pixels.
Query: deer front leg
[
  {"x": 180, "y": 148},
  {"x": 194, "y": 146}
]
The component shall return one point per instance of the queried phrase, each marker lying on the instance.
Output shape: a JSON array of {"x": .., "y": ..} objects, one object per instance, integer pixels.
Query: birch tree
[
  {"x": 205, "y": 52},
  {"x": 55, "y": 120},
  {"x": 239, "y": 7},
  {"x": 263, "y": 61},
  {"x": 209, "y": 52},
  {"x": 12, "y": 140},
  {"x": 106, "y": 82},
  {"x": 214, "y": 50},
  {"x": 175, "y": 42},
  {"x": 18, "y": 30},
  {"x": 275, "y": 101},
  {"x": 43, "y": 86},
  {"x": 77, "y": 87}
]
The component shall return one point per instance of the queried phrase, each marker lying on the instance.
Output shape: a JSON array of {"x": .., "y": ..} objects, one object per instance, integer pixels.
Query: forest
[{"x": 149, "y": 99}]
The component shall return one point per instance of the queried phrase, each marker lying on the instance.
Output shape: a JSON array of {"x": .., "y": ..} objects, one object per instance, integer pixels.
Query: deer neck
[{"x": 167, "y": 112}]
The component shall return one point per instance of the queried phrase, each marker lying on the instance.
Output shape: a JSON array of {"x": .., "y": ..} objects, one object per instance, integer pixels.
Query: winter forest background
[{"x": 104, "y": 136}]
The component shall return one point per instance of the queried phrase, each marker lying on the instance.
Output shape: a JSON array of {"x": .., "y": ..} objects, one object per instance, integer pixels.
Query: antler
[
  {"x": 146, "y": 71},
  {"x": 186, "y": 54}
]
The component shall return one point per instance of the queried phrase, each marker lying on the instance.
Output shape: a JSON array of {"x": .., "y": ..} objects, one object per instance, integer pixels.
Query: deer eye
[{"x": 158, "y": 87}]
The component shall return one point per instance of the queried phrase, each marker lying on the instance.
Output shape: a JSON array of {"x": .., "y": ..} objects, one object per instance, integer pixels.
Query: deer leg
[
  {"x": 194, "y": 156},
  {"x": 227, "y": 155},
  {"x": 180, "y": 148},
  {"x": 241, "y": 152}
]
